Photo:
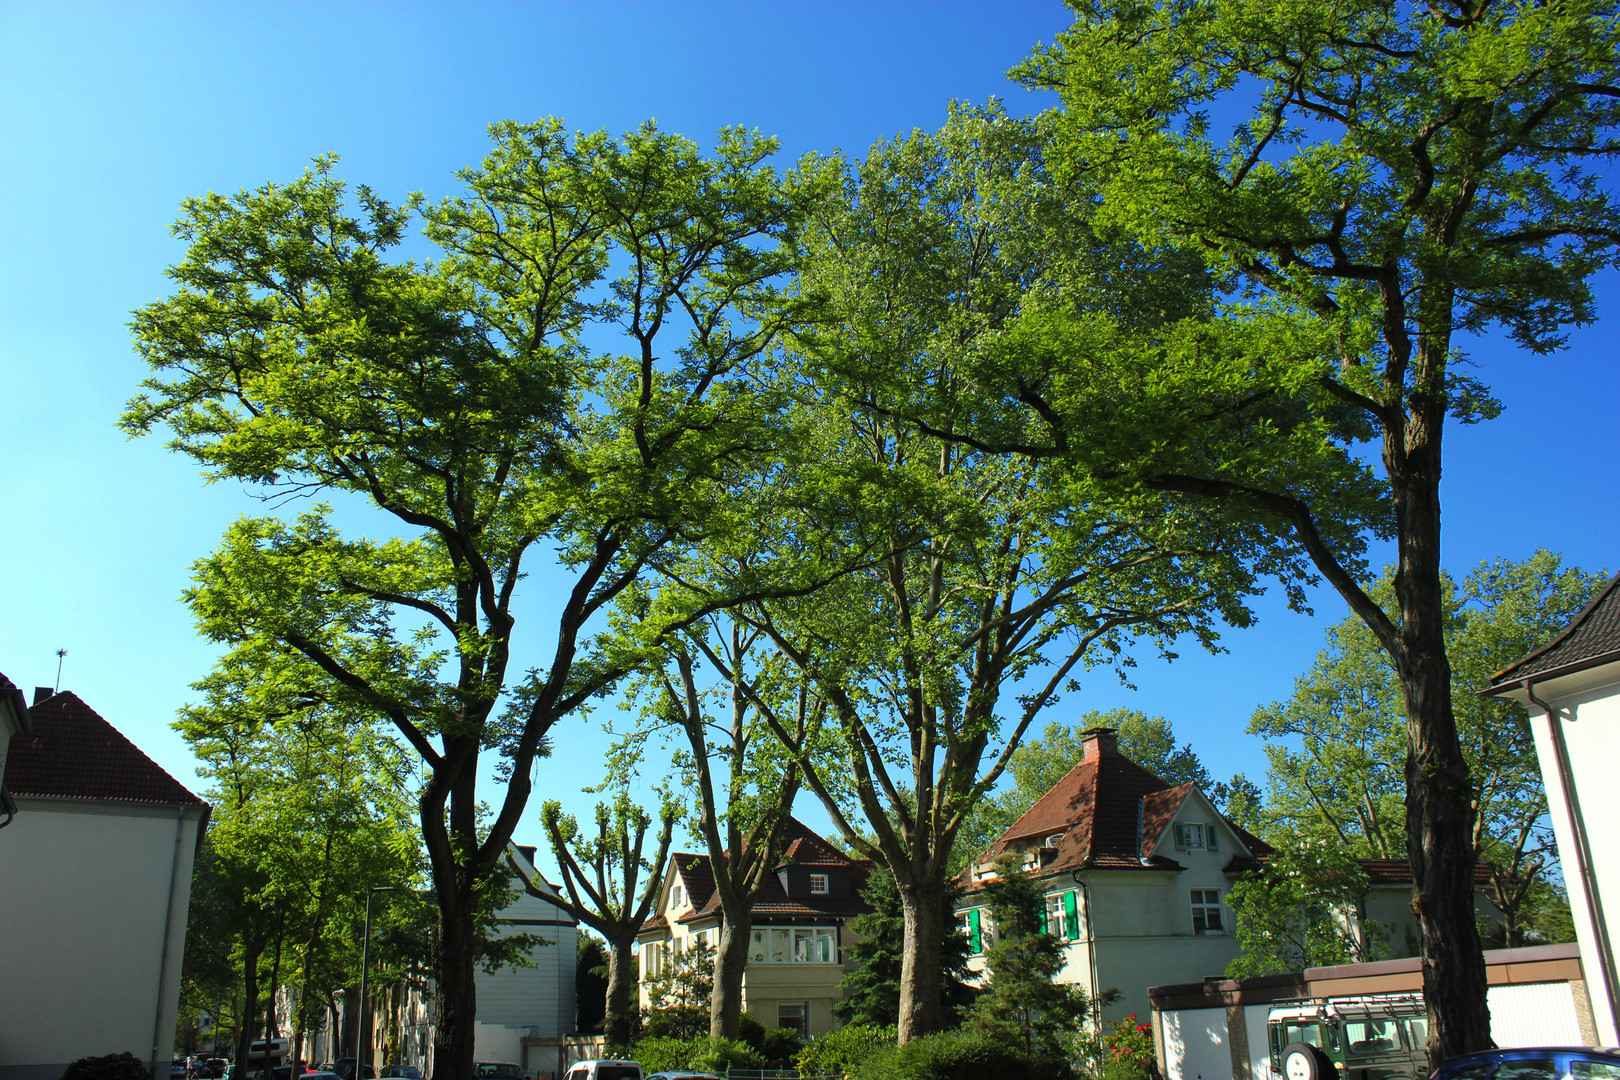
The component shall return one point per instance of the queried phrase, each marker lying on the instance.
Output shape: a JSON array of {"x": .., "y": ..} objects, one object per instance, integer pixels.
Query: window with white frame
[
  {"x": 793, "y": 945},
  {"x": 1206, "y": 912},
  {"x": 818, "y": 884},
  {"x": 1054, "y": 914},
  {"x": 795, "y": 1015},
  {"x": 675, "y": 896},
  {"x": 1195, "y": 836}
]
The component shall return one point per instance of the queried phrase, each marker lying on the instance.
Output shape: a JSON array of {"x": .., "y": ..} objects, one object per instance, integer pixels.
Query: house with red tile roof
[
  {"x": 798, "y": 942},
  {"x": 1571, "y": 686},
  {"x": 1136, "y": 873},
  {"x": 96, "y": 871}
]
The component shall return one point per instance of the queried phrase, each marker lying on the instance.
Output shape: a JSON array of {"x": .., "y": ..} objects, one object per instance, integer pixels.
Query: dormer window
[
  {"x": 1195, "y": 836},
  {"x": 675, "y": 896},
  {"x": 818, "y": 884},
  {"x": 1053, "y": 841}
]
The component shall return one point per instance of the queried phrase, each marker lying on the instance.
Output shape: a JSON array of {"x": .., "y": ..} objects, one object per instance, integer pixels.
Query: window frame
[
  {"x": 825, "y": 883},
  {"x": 1205, "y": 902}
]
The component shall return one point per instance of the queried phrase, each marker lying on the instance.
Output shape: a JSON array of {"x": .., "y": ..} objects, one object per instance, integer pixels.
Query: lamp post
[{"x": 365, "y": 964}]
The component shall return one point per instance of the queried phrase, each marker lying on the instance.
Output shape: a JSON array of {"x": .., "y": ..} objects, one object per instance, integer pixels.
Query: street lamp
[{"x": 365, "y": 963}]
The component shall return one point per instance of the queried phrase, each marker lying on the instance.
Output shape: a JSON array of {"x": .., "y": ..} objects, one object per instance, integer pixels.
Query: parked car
[
  {"x": 1533, "y": 1063},
  {"x": 598, "y": 1069},
  {"x": 405, "y": 1072},
  {"x": 499, "y": 1070},
  {"x": 683, "y": 1076},
  {"x": 344, "y": 1067}
]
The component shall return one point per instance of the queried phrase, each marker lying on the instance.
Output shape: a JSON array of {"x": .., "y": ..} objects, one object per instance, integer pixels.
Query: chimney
[
  {"x": 1099, "y": 742},
  {"x": 41, "y": 693}
]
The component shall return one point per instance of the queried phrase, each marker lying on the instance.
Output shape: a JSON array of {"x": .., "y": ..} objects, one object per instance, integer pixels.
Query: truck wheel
[{"x": 1302, "y": 1061}]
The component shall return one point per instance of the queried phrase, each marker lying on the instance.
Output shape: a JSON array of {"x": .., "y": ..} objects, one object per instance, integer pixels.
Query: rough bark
[
  {"x": 252, "y": 949},
  {"x": 730, "y": 961},
  {"x": 456, "y": 994},
  {"x": 619, "y": 1021},
  {"x": 923, "y": 904}
]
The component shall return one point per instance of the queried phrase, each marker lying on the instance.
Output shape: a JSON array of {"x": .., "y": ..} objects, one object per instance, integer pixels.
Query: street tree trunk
[
  {"x": 921, "y": 981},
  {"x": 730, "y": 961},
  {"x": 457, "y": 996},
  {"x": 619, "y": 1021}
]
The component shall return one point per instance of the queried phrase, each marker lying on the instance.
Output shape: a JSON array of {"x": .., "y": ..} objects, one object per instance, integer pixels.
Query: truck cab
[{"x": 1376, "y": 1037}]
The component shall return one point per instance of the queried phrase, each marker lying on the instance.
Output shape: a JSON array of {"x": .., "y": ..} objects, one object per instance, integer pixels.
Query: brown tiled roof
[
  {"x": 802, "y": 847},
  {"x": 1109, "y": 811},
  {"x": 72, "y": 753},
  {"x": 1399, "y": 871},
  {"x": 1592, "y": 637}
]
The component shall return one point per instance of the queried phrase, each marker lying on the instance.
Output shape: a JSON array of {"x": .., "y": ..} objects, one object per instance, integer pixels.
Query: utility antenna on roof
[{"x": 61, "y": 654}]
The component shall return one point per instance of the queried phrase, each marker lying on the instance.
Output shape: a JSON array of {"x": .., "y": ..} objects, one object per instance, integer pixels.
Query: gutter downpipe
[
  {"x": 168, "y": 925},
  {"x": 1091, "y": 951},
  {"x": 1583, "y": 853}
]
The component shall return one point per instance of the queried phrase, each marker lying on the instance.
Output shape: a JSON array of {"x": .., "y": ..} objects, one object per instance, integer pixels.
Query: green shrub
[
  {"x": 125, "y": 1066},
  {"x": 837, "y": 1052},
  {"x": 956, "y": 1055},
  {"x": 702, "y": 1054}
]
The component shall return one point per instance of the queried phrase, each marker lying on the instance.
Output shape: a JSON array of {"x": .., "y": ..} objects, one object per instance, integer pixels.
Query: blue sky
[{"x": 114, "y": 113}]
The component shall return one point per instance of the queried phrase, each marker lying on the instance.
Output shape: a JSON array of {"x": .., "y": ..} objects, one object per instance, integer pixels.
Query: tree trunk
[
  {"x": 1439, "y": 794},
  {"x": 349, "y": 1033},
  {"x": 248, "y": 1016},
  {"x": 457, "y": 996},
  {"x": 923, "y": 904},
  {"x": 730, "y": 962},
  {"x": 619, "y": 1021}
]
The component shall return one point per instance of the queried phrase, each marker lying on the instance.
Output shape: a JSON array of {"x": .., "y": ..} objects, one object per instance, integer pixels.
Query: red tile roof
[
  {"x": 1109, "y": 812},
  {"x": 1592, "y": 637},
  {"x": 1399, "y": 871},
  {"x": 72, "y": 753}
]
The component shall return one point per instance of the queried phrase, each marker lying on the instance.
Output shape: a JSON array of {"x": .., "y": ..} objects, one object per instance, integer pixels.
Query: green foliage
[
  {"x": 590, "y": 984},
  {"x": 841, "y": 1052},
  {"x": 678, "y": 994},
  {"x": 1337, "y": 748},
  {"x": 964, "y": 1054},
  {"x": 700, "y": 1053},
  {"x": 1128, "y": 1051},
  {"x": 1023, "y": 1001},
  {"x": 1306, "y": 907},
  {"x": 121, "y": 1066},
  {"x": 871, "y": 989}
]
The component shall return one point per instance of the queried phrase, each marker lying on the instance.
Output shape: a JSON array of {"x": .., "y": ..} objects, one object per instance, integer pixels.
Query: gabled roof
[
  {"x": 1399, "y": 872},
  {"x": 72, "y": 753},
  {"x": 801, "y": 846},
  {"x": 1109, "y": 813},
  {"x": 1591, "y": 638}
]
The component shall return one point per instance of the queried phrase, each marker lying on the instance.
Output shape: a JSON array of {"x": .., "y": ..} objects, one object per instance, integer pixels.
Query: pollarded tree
[
  {"x": 464, "y": 404},
  {"x": 600, "y": 875},
  {"x": 1401, "y": 175}
]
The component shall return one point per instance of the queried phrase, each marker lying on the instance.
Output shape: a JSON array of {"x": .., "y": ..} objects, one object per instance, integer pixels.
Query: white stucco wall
[
  {"x": 93, "y": 903},
  {"x": 1588, "y": 705}
]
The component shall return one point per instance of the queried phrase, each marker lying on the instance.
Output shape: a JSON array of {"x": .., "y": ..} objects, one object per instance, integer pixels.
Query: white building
[
  {"x": 95, "y": 883},
  {"x": 1136, "y": 874},
  {"x": 1572, "y": 686}
]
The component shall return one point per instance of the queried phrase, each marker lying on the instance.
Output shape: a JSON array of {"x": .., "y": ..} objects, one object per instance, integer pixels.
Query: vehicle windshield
[
  {"x": 617, "y": 1072},
  {"x": 500, "y": 1072}
]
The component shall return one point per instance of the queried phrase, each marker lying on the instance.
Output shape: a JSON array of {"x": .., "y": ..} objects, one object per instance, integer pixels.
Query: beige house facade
[
  {"x": 96, "y": 866},
  {"x": 798, "y": 944}
]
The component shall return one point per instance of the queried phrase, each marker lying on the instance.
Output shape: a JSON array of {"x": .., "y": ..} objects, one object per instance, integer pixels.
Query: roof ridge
[{"x": 1575, "y": 624}]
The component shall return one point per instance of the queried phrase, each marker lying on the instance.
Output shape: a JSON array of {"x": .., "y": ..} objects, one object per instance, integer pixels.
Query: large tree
[
  {"x": 991, "y": 571},
  {"x": 479, "y": 409},
  {"x": 1337, "y": 746},
  {"x": 1399, "y": 176}
]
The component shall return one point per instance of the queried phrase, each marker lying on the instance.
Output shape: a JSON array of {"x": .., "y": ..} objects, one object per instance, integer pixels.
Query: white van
[{"x": 595, "y": 1069}]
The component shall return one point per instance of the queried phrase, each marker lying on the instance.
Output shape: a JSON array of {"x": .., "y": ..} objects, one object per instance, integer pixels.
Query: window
[
  {"x": 1053, "y": 841},
  {"x": 674, "y": 896},
  {"x": 1206, "y": 912},
  {"x": 1054, "y": 914},
  {"x": 1195, "y": 836},
  {"x": 1593, "y": 1070},
  {"x": 1527, "y": 1069},
  {"x": 818, "y": 884},
  {"x": 795, "y": 1015},
  {"x": 651, "y": 959},
  {"x": 794, "y": 945},
  {"x": 1371, "y": 1036},
  {"x": 981, "y": 932}
]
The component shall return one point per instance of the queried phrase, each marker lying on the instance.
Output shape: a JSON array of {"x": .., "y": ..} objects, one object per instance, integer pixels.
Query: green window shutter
[
  {"x": 975, "y": 939},
  {"x": 1071, "y": 916},
  {"x": 1209, "y": 836},
  {"x": 1181, "y": 838}
]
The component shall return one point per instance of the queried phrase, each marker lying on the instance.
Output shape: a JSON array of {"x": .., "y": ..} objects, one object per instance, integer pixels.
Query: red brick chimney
[{"x": 1099, "y": 742}]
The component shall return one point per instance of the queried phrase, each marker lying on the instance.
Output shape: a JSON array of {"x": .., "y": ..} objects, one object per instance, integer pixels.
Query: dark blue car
[{"x": 1533, "y": 1063}]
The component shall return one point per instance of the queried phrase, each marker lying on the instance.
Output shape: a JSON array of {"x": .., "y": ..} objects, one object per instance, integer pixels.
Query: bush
[
  {"x": 778, "y": 1046},
  {"x": 838, "y": 1052},
  {"x": 701, "y": 1054},
  {"x": 956, "y": 1055},
  {"x": 125, "y": 1066}
]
